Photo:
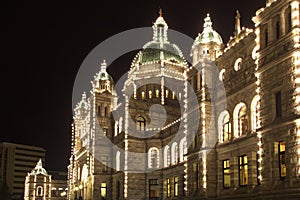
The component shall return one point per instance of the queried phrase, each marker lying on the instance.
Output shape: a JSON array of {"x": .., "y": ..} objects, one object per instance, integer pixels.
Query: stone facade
[{"x": 238, "y": 138}]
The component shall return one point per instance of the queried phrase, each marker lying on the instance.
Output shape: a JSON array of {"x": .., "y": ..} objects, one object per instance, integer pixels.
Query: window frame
[
  {"x": 244, "y": 167},
  {"x": 227, "y": 162}
]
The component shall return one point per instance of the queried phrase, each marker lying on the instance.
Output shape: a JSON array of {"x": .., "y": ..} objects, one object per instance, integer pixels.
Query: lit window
[
  {"x": 103, "y": 190},
  {"x": 226, "y": 128},
  {"x": 174, "y": 153},
  {"x": 224, "y": 125},
  {"x": 243, "y": 170},
  {"x": 167, "y": 156},
  {"x": 140, "y": 124},
  {"x": 173, "y": 95},
  {"x": 150, "y": 94},
  {"x": 168, "y": 187},
  {"x": 282, "y": 163},
  {"x": 176, "y": 186},
  {"x": 153, "y": 158},
  {"x": 167, "y": 93},
  {"x": 143, "y": 95},
  {"x": 226, "y": 173},
  {"x": 118, "y": 161},
  {"x": 39, "y": 191},
  {"x": 157, "y": 93}
]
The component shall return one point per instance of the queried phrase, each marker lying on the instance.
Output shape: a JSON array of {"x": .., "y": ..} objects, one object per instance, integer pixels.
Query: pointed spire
[
  {"x": 160, "y": 12},
  {"x": 237, "y": 24},
  {"x": 39, "y": 164}
]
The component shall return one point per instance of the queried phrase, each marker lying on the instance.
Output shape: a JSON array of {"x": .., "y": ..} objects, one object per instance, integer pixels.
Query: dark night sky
[{"x": 43, "y": 48}]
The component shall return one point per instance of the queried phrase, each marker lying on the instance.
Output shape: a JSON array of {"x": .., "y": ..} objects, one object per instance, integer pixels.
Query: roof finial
[
  {"x": 237, "y": 24},
  {"x": 160, "y": 12}
]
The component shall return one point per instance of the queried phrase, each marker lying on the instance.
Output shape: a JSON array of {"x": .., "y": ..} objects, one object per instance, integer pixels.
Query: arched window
[
  {"x": 118, "y": 161},
  {"x": 167, "y": 93},
  {"x": 39, "y": 191},
  {"x": 174, "y": 153},
  {"x": 240, "y": 120},
  {"x": 254, "y": 113},
  {"x": 140, "y": 124},
  {"x": 182, "y": 149},
  {"x": 157, "y": 93},
  {"x": 120, "y": 124},
  {"x": 153, "y": 158},
  {"x": 167, "y": 156},
  {"x": 150, "y": 94},
  {"x": 224, "y": 125},
  {"x": 116, "y": 128},
  {"x": 143, "y": 95},
  {"x": 237, "y": 64}
]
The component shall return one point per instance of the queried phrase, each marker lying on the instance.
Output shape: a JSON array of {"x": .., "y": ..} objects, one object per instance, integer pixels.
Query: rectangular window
[
  {"x": 196, "y": 176},
  {"x": 282, "y": 163},
  {"x": 99, "y": 111},
  {"x": 277, "y": 29},
  {"x": 153, "y": 188},
  {"x": 105, "y": 163},
  {"x": 266, "y": 37},
  {"x": 195, "y": 82},
  {"x": 118, "y": 189},
  {"x": 168, "y": 187},
  {"x": 176, "y": 186},
  {"x": 278, "y": 104},
  {"x": 105, "y": 111},
  {"x": 243, "y": 170},
  {"x": 103, "y": 190},
  {"x": 105, "y": 131},
  {"x": 226, "y": 173}
]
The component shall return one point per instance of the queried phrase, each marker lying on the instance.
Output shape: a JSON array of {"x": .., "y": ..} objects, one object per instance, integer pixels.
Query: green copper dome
[
  {"x": 159, "y": 48},
  {"x": 208, "y": 34}
]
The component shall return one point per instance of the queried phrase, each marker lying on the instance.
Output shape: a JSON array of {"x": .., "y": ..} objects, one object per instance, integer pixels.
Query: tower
[
  {"x": 208, "y": 44},
  {"x": 38, "y": 183}
]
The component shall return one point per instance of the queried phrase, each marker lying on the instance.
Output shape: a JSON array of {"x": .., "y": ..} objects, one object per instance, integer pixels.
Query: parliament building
[{"x": 224, "y": 126}]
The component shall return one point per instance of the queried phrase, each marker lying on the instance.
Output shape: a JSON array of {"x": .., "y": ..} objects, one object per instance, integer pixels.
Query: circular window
[{"x": 237, "y": 64}]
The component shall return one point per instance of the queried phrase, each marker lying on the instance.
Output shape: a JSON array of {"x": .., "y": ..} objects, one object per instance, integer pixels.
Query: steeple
[{"x": 237, "y": 24}]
